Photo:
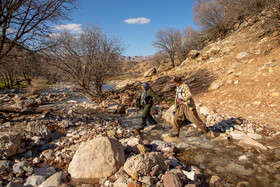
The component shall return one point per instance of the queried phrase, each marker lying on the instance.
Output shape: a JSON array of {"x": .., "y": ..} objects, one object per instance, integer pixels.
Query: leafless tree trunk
[
  {"x": 24, "y": 22},
  {"x": 9, "y": 71},
  {"x": 168, "y": 42},
  {"x": 89, "y": 59}
]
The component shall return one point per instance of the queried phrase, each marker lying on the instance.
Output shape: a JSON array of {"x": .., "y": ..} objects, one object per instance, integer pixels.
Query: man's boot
[
  {"x": 151, "y": 120},
  {"x": 143, "y": 124}
]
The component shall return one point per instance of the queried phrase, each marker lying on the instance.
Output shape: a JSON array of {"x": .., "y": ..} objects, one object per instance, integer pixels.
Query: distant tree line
[
  {"x": 29, "y": 50},
  {"x": 216, "y": 19},
  {"x": 23, "y": 26}
]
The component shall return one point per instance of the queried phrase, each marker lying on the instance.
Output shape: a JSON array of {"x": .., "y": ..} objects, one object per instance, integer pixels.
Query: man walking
[{"x": 185, "y": 109}]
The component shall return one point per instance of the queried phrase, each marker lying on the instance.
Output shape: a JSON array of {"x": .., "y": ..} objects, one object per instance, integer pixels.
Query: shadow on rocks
[{"x": 199, "y": 81}]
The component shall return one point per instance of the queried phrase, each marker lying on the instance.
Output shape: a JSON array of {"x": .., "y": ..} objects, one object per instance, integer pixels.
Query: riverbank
[{"x": 40, "y": 138}]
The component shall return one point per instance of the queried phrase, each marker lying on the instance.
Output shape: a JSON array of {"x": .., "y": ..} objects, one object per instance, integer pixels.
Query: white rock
[
  {"x": 238, "y": 127},
  {"x": 168, "y": 116},
  {"x": 160, "y": 146},
  {"x": 34, "y": 180},
  {"x": 39, "y": 129},
  {"x": 36, "y": 160},
  {"x": 214, "y": 179},
  {"x": 247, "y": 141},
  {"x": 55, "y": 180},
  {"x": 216, "y": 85},
  {"x": 150, "y": 72},
  {"x": 146, "y": 180},
  {"x": 72, "y": 102},
  {"x": 122, "y": 181},
  {"x": 243, "y": 158},
  {"x": 141, "y": 164},
  {"x": 18, "y": 167},
  {"x": 9, "y": 143},
  {"x": 242, "y": 55},
  {"x": 257, "y": 103},
  {"x": 238, "y": 135},
  {"x": 205, "y": 110},
  {"x": 255, "y": 136},
  {"x": 190, "y": 175},
  {"x": 133, "y": 141},
  {"x": 97, "y": 158}
]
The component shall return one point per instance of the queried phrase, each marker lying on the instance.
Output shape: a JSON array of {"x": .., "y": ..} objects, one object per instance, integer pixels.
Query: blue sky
[{"x": 136, "y": 38}]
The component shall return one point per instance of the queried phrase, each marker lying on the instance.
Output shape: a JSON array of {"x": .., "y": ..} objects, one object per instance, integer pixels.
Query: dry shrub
[
  {"x": 218, "y": 17},
  {"x": 208, "y": 14},
  {"x": 192, "y": 39}
]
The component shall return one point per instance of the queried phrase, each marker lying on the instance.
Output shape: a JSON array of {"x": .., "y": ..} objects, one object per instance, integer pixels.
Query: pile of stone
[
  {"x": 130, "y": 162},
  {"x": 51, "y": 141}
]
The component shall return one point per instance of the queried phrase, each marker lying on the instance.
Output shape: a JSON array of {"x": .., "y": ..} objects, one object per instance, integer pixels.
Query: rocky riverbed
[{"x": 59, "y": 139}]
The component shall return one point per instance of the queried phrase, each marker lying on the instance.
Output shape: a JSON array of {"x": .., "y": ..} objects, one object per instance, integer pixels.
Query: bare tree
[
  {"x": 89, "y": 59},
  {"x": 24, "y": 22},
  {"x": 218, "y": 17},
  {"x": 192, "y": 39},
  {"x": 9, "y": 72},
  {"x": 168, "y": 41},
  {"x": 208, "y": 14}
]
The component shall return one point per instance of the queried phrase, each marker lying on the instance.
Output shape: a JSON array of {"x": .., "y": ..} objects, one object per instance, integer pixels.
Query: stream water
[
  {"x": 221, "y": 157},
  {"x": 234, "y": 165}
]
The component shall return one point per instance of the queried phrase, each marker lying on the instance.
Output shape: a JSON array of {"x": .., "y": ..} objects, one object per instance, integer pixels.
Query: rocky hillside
[{"x": 238, "y": 75}]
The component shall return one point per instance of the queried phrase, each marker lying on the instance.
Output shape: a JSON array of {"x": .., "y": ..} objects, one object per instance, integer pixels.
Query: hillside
[
  {"x": 135, "y": 58},
  {"x": 237, "y": 76}
]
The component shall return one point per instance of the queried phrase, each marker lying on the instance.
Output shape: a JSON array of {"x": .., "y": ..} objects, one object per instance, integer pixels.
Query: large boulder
[
  {"x": 164, "y": 66},
  {"x": 39, "y": 129},
  {"x": 150, "y": 72},
  {"x": 9, "y": 143},
  {"x": 193, "y": 54},
  {"x": 95, "y": 159},
  {"x": 168, "y": 115},
  {"x": 141, "y": 164},
  {"x": 124, "y": 83}
]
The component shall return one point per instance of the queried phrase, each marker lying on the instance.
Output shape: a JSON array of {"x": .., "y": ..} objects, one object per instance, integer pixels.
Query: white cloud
[
  {"x": 72, "y": 28},
  {"x": 139, "y": 20},
  {"x": 54, "y": 35}
]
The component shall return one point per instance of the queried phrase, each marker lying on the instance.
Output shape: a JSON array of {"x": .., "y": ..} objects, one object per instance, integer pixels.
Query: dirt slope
[{"x": 244, "y": 68}]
